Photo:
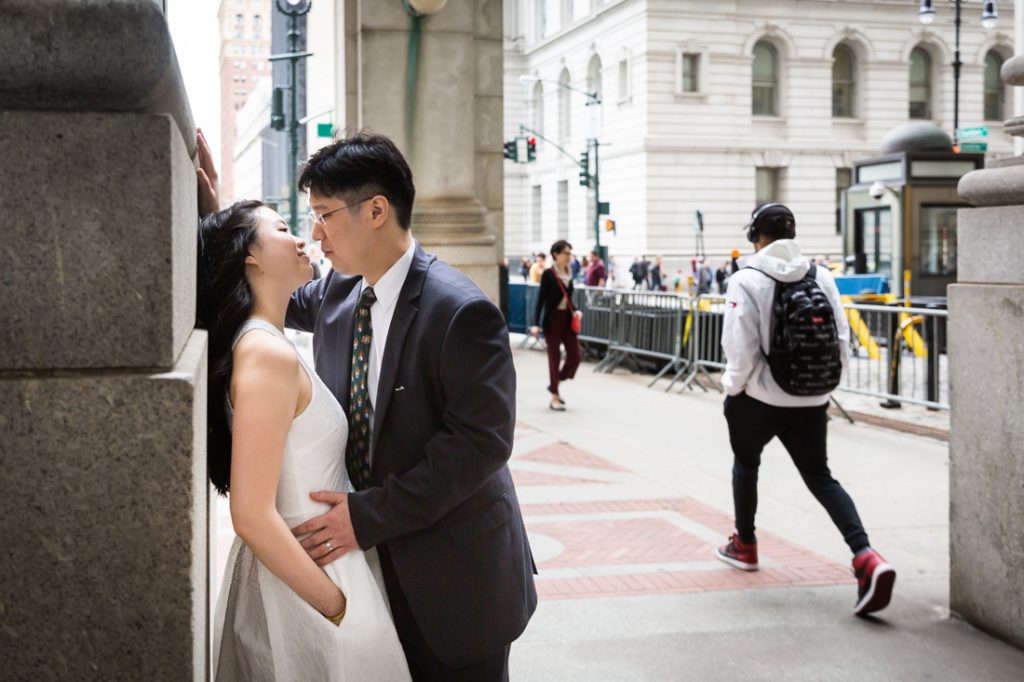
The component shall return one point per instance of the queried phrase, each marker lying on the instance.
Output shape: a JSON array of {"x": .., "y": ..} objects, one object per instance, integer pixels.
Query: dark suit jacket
[
  {"x": 549, "y": 296},
  {"x": 443, "y": 500}
]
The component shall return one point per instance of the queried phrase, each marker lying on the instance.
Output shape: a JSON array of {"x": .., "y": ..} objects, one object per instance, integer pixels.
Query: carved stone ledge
[
  {"x": 993, "y": 186},
  {"x": 452, "y": 221},
  {"x": 102, "y": 55},
  {"x": 1012, "y": 72},
  {"x": 1014, "y": 126}
]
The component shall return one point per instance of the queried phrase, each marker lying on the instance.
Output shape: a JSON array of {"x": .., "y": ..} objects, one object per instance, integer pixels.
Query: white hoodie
[{"x": 748, "y": 314}]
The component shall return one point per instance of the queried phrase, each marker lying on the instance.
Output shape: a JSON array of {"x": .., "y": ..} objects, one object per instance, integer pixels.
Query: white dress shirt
[{"x": 387, "y": 289}]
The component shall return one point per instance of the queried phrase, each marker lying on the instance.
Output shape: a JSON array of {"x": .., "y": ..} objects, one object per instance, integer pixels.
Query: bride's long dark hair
[{"x": 223, "y": 302}]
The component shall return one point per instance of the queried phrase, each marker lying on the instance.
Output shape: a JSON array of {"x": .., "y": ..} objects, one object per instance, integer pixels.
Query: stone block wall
[{"x": 104, "y": 496}]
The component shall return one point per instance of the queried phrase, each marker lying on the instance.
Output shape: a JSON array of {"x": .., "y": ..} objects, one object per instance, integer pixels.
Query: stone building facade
[{"x": 719, "y": 106}]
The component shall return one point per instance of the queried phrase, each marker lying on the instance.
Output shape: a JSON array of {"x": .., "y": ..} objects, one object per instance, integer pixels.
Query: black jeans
[{"x": 803, "y": 431}]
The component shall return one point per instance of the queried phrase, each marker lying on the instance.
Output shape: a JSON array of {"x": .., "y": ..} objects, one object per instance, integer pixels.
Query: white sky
[{"x": 195, "y": 32}]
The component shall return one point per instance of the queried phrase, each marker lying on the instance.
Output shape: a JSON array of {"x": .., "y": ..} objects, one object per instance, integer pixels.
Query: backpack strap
[{"x": 811, "y": 272}]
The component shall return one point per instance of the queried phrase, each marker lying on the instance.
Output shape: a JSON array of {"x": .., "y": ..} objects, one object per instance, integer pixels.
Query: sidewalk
[{"x": 627, "y": 494}]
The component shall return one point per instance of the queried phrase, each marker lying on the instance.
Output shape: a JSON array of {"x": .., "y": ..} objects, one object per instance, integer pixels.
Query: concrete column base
[
  {"x": 104, "y": 524},
  {"x": 986, "y": 468}
]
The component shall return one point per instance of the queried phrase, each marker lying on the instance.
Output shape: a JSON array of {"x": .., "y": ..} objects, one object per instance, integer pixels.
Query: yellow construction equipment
[
  {"x": 907, "y": 324},
  {"x": 860, "y": 329}
]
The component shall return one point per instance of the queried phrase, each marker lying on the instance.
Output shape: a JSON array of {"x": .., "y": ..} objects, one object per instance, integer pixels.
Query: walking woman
[{"x": 555, "y": 314}]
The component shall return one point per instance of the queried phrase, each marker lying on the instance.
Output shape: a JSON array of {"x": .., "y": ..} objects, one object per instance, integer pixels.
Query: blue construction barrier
[
  {"x": 521, "y": 299},
  {"x": 853, "y": 285}
]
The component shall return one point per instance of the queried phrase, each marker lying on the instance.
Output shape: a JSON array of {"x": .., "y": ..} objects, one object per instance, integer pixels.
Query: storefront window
[{"x": 938, "y": 240}]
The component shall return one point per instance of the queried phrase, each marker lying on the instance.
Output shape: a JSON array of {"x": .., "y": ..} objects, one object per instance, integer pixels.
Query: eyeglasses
[{"x": 321, "y": 217}]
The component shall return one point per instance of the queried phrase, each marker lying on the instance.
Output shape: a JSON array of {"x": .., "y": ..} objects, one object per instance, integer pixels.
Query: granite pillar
[
  {"x": 104, "y": 496},
  {"x": 456, "y": 146},
  {"x": 986, "y": 353}
]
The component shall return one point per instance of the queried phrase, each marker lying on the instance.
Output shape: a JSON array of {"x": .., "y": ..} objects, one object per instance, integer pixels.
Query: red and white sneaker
[
  {"x": 875, "y": 579},
  {"x": 738, "y": 554}
]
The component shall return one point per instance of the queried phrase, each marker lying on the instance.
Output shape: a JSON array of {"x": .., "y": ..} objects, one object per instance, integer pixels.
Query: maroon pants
[{"x": 558, "y": 332}]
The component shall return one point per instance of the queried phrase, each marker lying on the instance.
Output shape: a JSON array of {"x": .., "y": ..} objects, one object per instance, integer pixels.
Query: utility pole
[
  {"x": 596, "y": 179},
  {"x": 298, "y": 8},
  {"x": 956, "y": 81},
  {"x": 989, "y": 18}
]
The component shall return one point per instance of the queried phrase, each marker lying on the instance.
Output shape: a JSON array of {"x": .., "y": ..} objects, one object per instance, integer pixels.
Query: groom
[{"x": 420, "y": 360}]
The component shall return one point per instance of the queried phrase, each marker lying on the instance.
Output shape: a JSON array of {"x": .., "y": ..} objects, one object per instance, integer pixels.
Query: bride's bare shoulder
[{"x": 260, "y": 356}]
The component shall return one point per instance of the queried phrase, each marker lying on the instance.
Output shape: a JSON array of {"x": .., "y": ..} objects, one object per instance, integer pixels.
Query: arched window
[
  {"x": 538, "y": 107},
  {"x": 843, "y": 77},
  {"x": 594, "y": 76},
  {"x": 995, "y": 93},
  {"x": 920, "y": 84},
  {"x": 564, "y": 106},
  {"x": 765, "y": 93}
]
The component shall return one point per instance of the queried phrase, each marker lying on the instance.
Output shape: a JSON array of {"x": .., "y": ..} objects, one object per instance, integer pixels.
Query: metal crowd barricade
[
  {"x": 703, "y": 336},
  {"x": 599, "y": 307},
  {"x": 648, "y": 325},
  {"x": 898, "y": 355},
  {"x": 532, "y": 291}
]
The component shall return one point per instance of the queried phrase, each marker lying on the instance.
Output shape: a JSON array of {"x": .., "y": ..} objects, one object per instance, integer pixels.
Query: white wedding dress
[{"x": 265, "y": 631}]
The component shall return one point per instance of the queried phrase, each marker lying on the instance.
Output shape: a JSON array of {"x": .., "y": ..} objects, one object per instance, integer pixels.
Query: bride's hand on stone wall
[{"x": 206, "y": 177}]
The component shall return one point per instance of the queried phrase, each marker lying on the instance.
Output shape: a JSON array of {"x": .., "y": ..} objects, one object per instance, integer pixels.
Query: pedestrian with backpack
[{"x": 785, "y": 339}]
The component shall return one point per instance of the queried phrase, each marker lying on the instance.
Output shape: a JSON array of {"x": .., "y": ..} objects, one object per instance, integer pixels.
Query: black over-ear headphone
[{"x": 752, "y": 232}]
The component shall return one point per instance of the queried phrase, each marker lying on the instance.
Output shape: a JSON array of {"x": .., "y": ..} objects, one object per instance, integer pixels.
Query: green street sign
[
  {"x": 325, "y": 130},
  {"x": 969, "y": 133},
  {"x": 974, "y": 146}
]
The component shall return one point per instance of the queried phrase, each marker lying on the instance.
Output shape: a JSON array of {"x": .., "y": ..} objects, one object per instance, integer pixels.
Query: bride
[{"x": 275, "y": 432}]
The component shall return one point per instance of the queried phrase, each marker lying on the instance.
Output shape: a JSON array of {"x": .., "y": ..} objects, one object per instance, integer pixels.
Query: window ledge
[
  {"x": 691, "y": 96},
  {"x": 764, "y": 118},
  {"x": 848, "y": 122}
]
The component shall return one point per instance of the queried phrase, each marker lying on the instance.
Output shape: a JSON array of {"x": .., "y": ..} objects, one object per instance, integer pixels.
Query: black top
[{"x": 549, "y": 296}]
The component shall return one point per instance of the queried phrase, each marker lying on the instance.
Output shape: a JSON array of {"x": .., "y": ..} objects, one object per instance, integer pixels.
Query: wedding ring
[{"x": 328, "y": 546}]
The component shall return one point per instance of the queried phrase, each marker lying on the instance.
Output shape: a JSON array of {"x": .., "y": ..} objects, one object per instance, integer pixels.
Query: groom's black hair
[{"x": 361, "y": 166}]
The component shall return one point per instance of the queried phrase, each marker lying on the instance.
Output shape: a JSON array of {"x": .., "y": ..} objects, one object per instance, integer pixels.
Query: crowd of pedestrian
[{"x": 647, "y": 273}]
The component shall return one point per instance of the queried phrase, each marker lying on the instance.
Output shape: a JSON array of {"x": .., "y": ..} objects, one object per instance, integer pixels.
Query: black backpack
[{"x": 804, "y": 350}]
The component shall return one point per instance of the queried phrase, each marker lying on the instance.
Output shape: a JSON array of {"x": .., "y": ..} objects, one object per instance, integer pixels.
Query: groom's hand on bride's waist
[{"x": 329, "y": 536}]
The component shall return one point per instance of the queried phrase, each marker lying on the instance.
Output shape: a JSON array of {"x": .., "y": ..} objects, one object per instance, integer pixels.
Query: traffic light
[
  {"x": 277, "y": 110},
  {"x": 609, "y": 226},
  {"x": 585, "y": 169},
  {"x": 510, "y": 150},
  {"x": 531, "y": 149}
]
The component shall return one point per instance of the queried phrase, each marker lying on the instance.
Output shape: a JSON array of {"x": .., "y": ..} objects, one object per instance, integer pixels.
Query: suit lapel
[{"x": 406, "y": 309}]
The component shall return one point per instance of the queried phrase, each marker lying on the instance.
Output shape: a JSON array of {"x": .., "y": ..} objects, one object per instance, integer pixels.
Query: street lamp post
[
  {"x": 293, "y": 9},
  {"x": 593, "y": 99},
  {"x": 989, "y": 18}
]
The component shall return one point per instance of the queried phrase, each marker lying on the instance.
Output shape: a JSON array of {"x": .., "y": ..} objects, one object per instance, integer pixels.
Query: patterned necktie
[{"x": 357, "y": 455}]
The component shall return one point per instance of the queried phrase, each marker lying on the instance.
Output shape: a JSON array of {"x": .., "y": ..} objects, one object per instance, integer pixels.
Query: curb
[{"x": 894, "y": 424}]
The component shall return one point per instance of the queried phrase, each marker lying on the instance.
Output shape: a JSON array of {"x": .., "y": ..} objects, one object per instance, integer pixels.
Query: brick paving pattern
[{"x": 604, "y": 548}]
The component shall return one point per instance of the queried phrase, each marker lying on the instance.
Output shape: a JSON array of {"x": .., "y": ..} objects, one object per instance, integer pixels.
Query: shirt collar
[{"x": 389, "y": 286}]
